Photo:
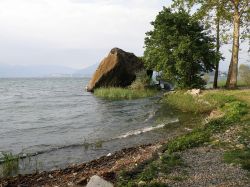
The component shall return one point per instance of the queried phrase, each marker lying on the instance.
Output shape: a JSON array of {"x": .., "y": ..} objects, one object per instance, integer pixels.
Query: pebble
[
  {"x": 50, "y": 176},
  {"x": 142, "y": 183},
  {"x": 70, "y": 184},
  {"x": 240, "y": 146},
  {"x": 109, "y": 154},
  {"x": 39, "y": 179}
]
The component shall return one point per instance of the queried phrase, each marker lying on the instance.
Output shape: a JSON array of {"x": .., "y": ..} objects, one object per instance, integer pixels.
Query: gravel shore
[{"x": 205, "y": 167}]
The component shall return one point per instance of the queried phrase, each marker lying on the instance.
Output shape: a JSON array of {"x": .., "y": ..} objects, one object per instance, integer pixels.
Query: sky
[{"x": 73, "y": 33}]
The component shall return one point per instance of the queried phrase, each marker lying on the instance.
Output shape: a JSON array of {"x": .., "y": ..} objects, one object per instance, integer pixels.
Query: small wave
[
  {"x": 145, "y": 129},
  {"x": 150, "y": 116}
]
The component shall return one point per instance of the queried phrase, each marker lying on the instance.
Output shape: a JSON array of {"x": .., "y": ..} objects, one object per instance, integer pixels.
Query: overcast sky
[{"x": 72, "y": 33}]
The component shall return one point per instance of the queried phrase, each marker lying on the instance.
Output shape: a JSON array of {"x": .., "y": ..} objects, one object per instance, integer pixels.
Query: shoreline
[
  {"x": 78, "y": 174},
  {"x": 202, "y": 156}
]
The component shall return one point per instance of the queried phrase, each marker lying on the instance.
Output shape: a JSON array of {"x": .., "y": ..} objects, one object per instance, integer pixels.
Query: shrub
[{"x": 141, "y": 82}]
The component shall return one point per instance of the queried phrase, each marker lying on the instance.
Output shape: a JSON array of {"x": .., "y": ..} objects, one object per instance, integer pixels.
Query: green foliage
[
  {"x": 149, "y": 173},
  {"x": 234, "y": 111},
  {"x": 141, "y": 82},
  {"x": 219, "y": 99},
  {"x": 187, "y": 103},
  {"x": 244, "y": 71},
  {"x": 241, "y": 157},
  {"x": 193, "y": 139},
  {"x": 180, "y": 49},
  {"x": 123, "y": 93}
]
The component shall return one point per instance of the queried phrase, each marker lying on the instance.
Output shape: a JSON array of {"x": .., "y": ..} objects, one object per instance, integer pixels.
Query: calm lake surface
[{"x": 57, "y": 122}]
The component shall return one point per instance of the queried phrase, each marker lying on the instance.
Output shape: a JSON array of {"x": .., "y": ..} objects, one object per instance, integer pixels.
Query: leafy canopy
[{"x": 179, "y": 48}]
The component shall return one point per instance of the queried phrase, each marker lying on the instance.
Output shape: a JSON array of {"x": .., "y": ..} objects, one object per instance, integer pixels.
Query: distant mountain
[
  {"x": 35, "y": 71},
  {"x": 86, "y": 72}
]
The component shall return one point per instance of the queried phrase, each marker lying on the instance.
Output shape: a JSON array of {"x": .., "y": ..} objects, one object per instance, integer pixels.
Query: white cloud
[
  {"x": 73, "y": 24},
  {"x": 74, "y": 33}
]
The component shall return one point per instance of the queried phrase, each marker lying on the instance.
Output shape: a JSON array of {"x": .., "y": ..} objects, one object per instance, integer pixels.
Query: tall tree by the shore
[
  {"x": 233, "y": 11},
  {"x": 180, "y": 49},
  {"x": 213, "y": 14},
  {"x": 240, "y": 9}
]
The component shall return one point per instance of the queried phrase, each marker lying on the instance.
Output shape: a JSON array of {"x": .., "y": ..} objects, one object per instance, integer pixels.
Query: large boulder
[{"x": 118, "y": 69}]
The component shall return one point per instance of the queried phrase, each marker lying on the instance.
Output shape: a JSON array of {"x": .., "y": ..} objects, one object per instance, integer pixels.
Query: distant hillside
[
  {"x": 86, "y": 72},
  {"x": 35, "y": 71}
]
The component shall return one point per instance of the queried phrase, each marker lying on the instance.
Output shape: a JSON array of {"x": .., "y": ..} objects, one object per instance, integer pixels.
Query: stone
[
  {"x": 118, "y": 69},
  {"x": 240, "y": 146},
  {"x": 142, "y": 183},
  {"x": 194, "y": 92},
  {"x": 96, "y": 181}
]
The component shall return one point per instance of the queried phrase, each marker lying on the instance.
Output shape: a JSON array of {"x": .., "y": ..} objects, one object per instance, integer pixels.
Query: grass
[
  {"x": 241, "y": 157},
  {"x": 193, "y": 139},
  {"x": 147, "y": 172},
  {"x": 123, "y": 93},
  {"x": 10, "y": 163},
  {"x": 187, "y": 103},
  {"x": 222, "y": 83}
]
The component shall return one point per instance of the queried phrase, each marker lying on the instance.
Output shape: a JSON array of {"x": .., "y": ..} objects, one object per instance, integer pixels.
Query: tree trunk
[
  {"x": 216, "y": 74},
  {"x": 233, "y": 68}
]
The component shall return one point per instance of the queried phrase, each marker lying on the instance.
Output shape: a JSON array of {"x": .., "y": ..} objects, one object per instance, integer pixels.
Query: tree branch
[
  {"x": 233, "y": 2},
  {"x": 244, "y": 7}
]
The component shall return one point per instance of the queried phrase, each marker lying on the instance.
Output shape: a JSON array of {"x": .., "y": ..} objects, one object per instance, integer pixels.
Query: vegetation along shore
[{"x": 181, "y": 53}]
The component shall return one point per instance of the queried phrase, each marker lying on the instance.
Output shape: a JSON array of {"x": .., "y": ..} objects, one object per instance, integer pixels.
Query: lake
[{"x": 53, "y": 122}]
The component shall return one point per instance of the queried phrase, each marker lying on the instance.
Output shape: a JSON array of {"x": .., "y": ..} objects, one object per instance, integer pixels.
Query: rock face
[
  {"x": 118, "y": 69},
  {"x": 97, "y": 181}
]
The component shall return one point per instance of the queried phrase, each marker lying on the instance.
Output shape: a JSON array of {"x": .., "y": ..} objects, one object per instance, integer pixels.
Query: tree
[
  {"x": 179, "y": 47},
  {"x": 233, "y": 11},
  {"x": 240, "y": 10},
  {"x": 213, "y": 15},
  {"x": 244, "y": 71}
]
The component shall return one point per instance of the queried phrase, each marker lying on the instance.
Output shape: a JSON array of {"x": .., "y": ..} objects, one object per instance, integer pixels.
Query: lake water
[{"x": 57, "y": 122}]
